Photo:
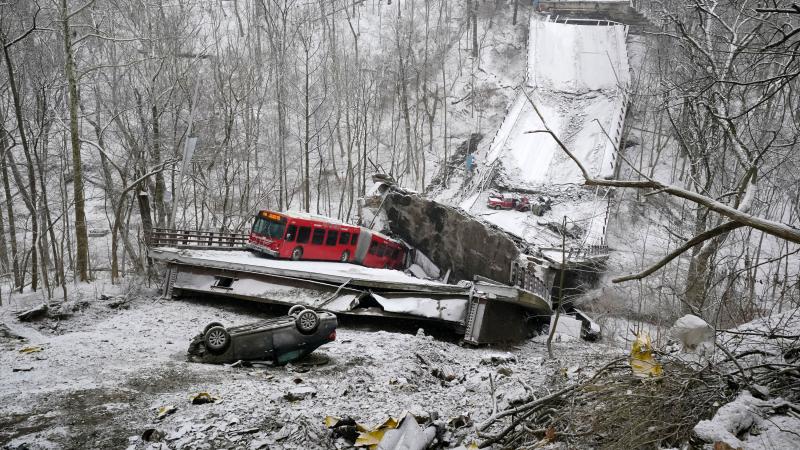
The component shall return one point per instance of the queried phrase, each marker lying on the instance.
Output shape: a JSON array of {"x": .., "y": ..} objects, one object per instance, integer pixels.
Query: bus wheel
[
  {"x": 345, "y": 256},
  {"x": 297, "y": 253}
]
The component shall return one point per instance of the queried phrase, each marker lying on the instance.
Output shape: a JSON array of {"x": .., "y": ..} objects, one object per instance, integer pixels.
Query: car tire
[
  {"x": 210, "y": 326},
  {"x": 345, "y": 256},
  {"x": 294, "y": 310},
  {"x": 297, "y": 254},
  {"x": 217, "y": 340},
  {"x": 307, "y": 321}
]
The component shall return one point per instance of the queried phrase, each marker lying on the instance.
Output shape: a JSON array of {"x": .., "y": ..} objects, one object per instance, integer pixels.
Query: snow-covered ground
[{"x": 102, "y": 374}]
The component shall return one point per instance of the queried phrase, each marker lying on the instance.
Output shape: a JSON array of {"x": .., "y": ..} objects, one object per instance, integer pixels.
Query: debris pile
[{"x": 743, "y": 396}]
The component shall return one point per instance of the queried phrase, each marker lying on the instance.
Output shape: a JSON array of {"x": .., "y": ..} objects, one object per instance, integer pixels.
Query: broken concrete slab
[{"x": 448, "y": 237}]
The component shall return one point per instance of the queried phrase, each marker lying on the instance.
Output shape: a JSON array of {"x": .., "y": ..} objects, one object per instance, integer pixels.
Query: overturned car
[{"x": 279, "y": 340}]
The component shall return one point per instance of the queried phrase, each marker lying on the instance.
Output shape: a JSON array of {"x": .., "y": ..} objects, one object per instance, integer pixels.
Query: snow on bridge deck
[
  {"x": 579, "y": 75},
  {"x": 324, "y": 271}
]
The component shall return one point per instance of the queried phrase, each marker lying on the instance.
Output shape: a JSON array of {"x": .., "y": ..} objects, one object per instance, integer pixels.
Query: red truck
[{"x": 508, "y": 201}]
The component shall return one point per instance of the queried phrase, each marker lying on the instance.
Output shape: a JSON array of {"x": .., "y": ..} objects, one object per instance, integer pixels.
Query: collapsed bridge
[{"x": 217, "y": 264}]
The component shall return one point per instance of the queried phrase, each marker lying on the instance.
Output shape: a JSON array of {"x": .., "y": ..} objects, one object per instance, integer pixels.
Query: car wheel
[
  {"x": 307, "y": 321},
  {"x": 345, "y": 256},
  {"x": 217, "y": 340},
  {"x": 296, "y": 309},
  {"x": 210, "y": 326},
  {"x": 297, "y": 254}
]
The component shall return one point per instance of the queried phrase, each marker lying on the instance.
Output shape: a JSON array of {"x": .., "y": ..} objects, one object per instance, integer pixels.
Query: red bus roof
[{"x": 306, "y": 216}]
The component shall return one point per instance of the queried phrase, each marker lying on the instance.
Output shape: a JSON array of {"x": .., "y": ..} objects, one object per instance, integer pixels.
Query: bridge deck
[
  {"x": 350, "y": 289},
  {"x": 331, "y": 272}
]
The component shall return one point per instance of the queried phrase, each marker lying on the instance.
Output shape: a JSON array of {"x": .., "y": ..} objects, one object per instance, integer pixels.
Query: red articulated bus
[{"x": 297, "y": 235}]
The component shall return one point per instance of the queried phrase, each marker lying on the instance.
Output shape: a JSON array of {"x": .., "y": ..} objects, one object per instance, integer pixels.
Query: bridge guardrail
[{"x": 216, "y": 240}]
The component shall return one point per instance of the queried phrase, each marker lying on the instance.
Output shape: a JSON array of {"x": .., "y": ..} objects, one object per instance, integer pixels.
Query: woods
[
  {"x": 294, "y": 105},
  {"x": 293, "y": 109},
  {"x": 526, "y": 224}
]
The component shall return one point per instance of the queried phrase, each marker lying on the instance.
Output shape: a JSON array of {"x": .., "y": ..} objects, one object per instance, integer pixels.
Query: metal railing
[
  {"x": 218, "y": 240},
  {"x": 526, "y": 279}
]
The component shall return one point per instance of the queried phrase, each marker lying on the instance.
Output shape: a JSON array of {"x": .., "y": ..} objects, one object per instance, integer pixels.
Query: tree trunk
[
  {"x": 29, "y": 200},
  {"x": 307, "y": 138},
  {"x": 12, "y": 228},
  {"x": 161, "y": 211},
  {"x": 81, "y": 235},
  {"x": 516, "y": 7},
  {"x": 474, "y": 14}
]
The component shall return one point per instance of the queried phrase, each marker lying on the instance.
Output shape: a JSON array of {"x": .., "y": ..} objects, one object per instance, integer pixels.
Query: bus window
[
  {"x": 269, "y": 228},
  {"x": 290, "y": 233},
  {"x": 344, "y": 238},
  {"x": 354, "y": 239},
  {"x": 395, "y": 251},
  {"x": 303, "y": 234},
  {"x": 373, "y": 248},
  {"x": 319, "y": 236},
  {"x": 381, "y": 250},
  {"x": 332, "y": 236}
]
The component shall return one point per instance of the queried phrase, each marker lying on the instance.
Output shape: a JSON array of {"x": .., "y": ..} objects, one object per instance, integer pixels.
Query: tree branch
[
  {"x": 27, "y": 32},
  {"x": 771, "y": 227},
  {"x": 704, "y": 236}
]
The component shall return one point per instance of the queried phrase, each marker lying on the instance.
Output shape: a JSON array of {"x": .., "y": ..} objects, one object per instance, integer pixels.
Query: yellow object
[
  {"x": 643, "y": 364},
  {"x": 371, "y": 438},
  {"x": 331, "y": 421},
  {"x": 164, "y": 411},
  {"x": 31, "y": 349}
]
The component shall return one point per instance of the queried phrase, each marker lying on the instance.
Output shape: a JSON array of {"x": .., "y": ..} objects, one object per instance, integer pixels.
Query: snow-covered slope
[
  {"x": 577, "y": 77},
  {"x": 579, "y": 74}
]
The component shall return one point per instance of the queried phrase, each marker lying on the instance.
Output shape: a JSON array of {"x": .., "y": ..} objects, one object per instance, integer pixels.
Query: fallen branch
[{"x": 33, "y": 314}]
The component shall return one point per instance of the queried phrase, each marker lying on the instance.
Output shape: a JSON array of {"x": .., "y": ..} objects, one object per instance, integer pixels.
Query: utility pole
[{"x": 560, "y": 288}]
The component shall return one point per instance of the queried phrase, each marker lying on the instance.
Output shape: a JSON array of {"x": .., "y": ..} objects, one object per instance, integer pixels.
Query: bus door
[{"x": 362, "y": 246}]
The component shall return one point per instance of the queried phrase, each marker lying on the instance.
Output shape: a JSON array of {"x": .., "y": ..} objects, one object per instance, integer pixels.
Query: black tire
[
  {"x": 217, "y": 340},
  {"x": 307, "y": 321},
  {"x": 345, "y": 256},
  {"x": 294, "y": 310},
  {"x": 210, "y": 326},
  {"x": 297, "y": 254}
]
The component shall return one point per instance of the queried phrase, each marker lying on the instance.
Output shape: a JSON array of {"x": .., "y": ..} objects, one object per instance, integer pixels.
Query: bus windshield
[{"x": 268, "y": 228}]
